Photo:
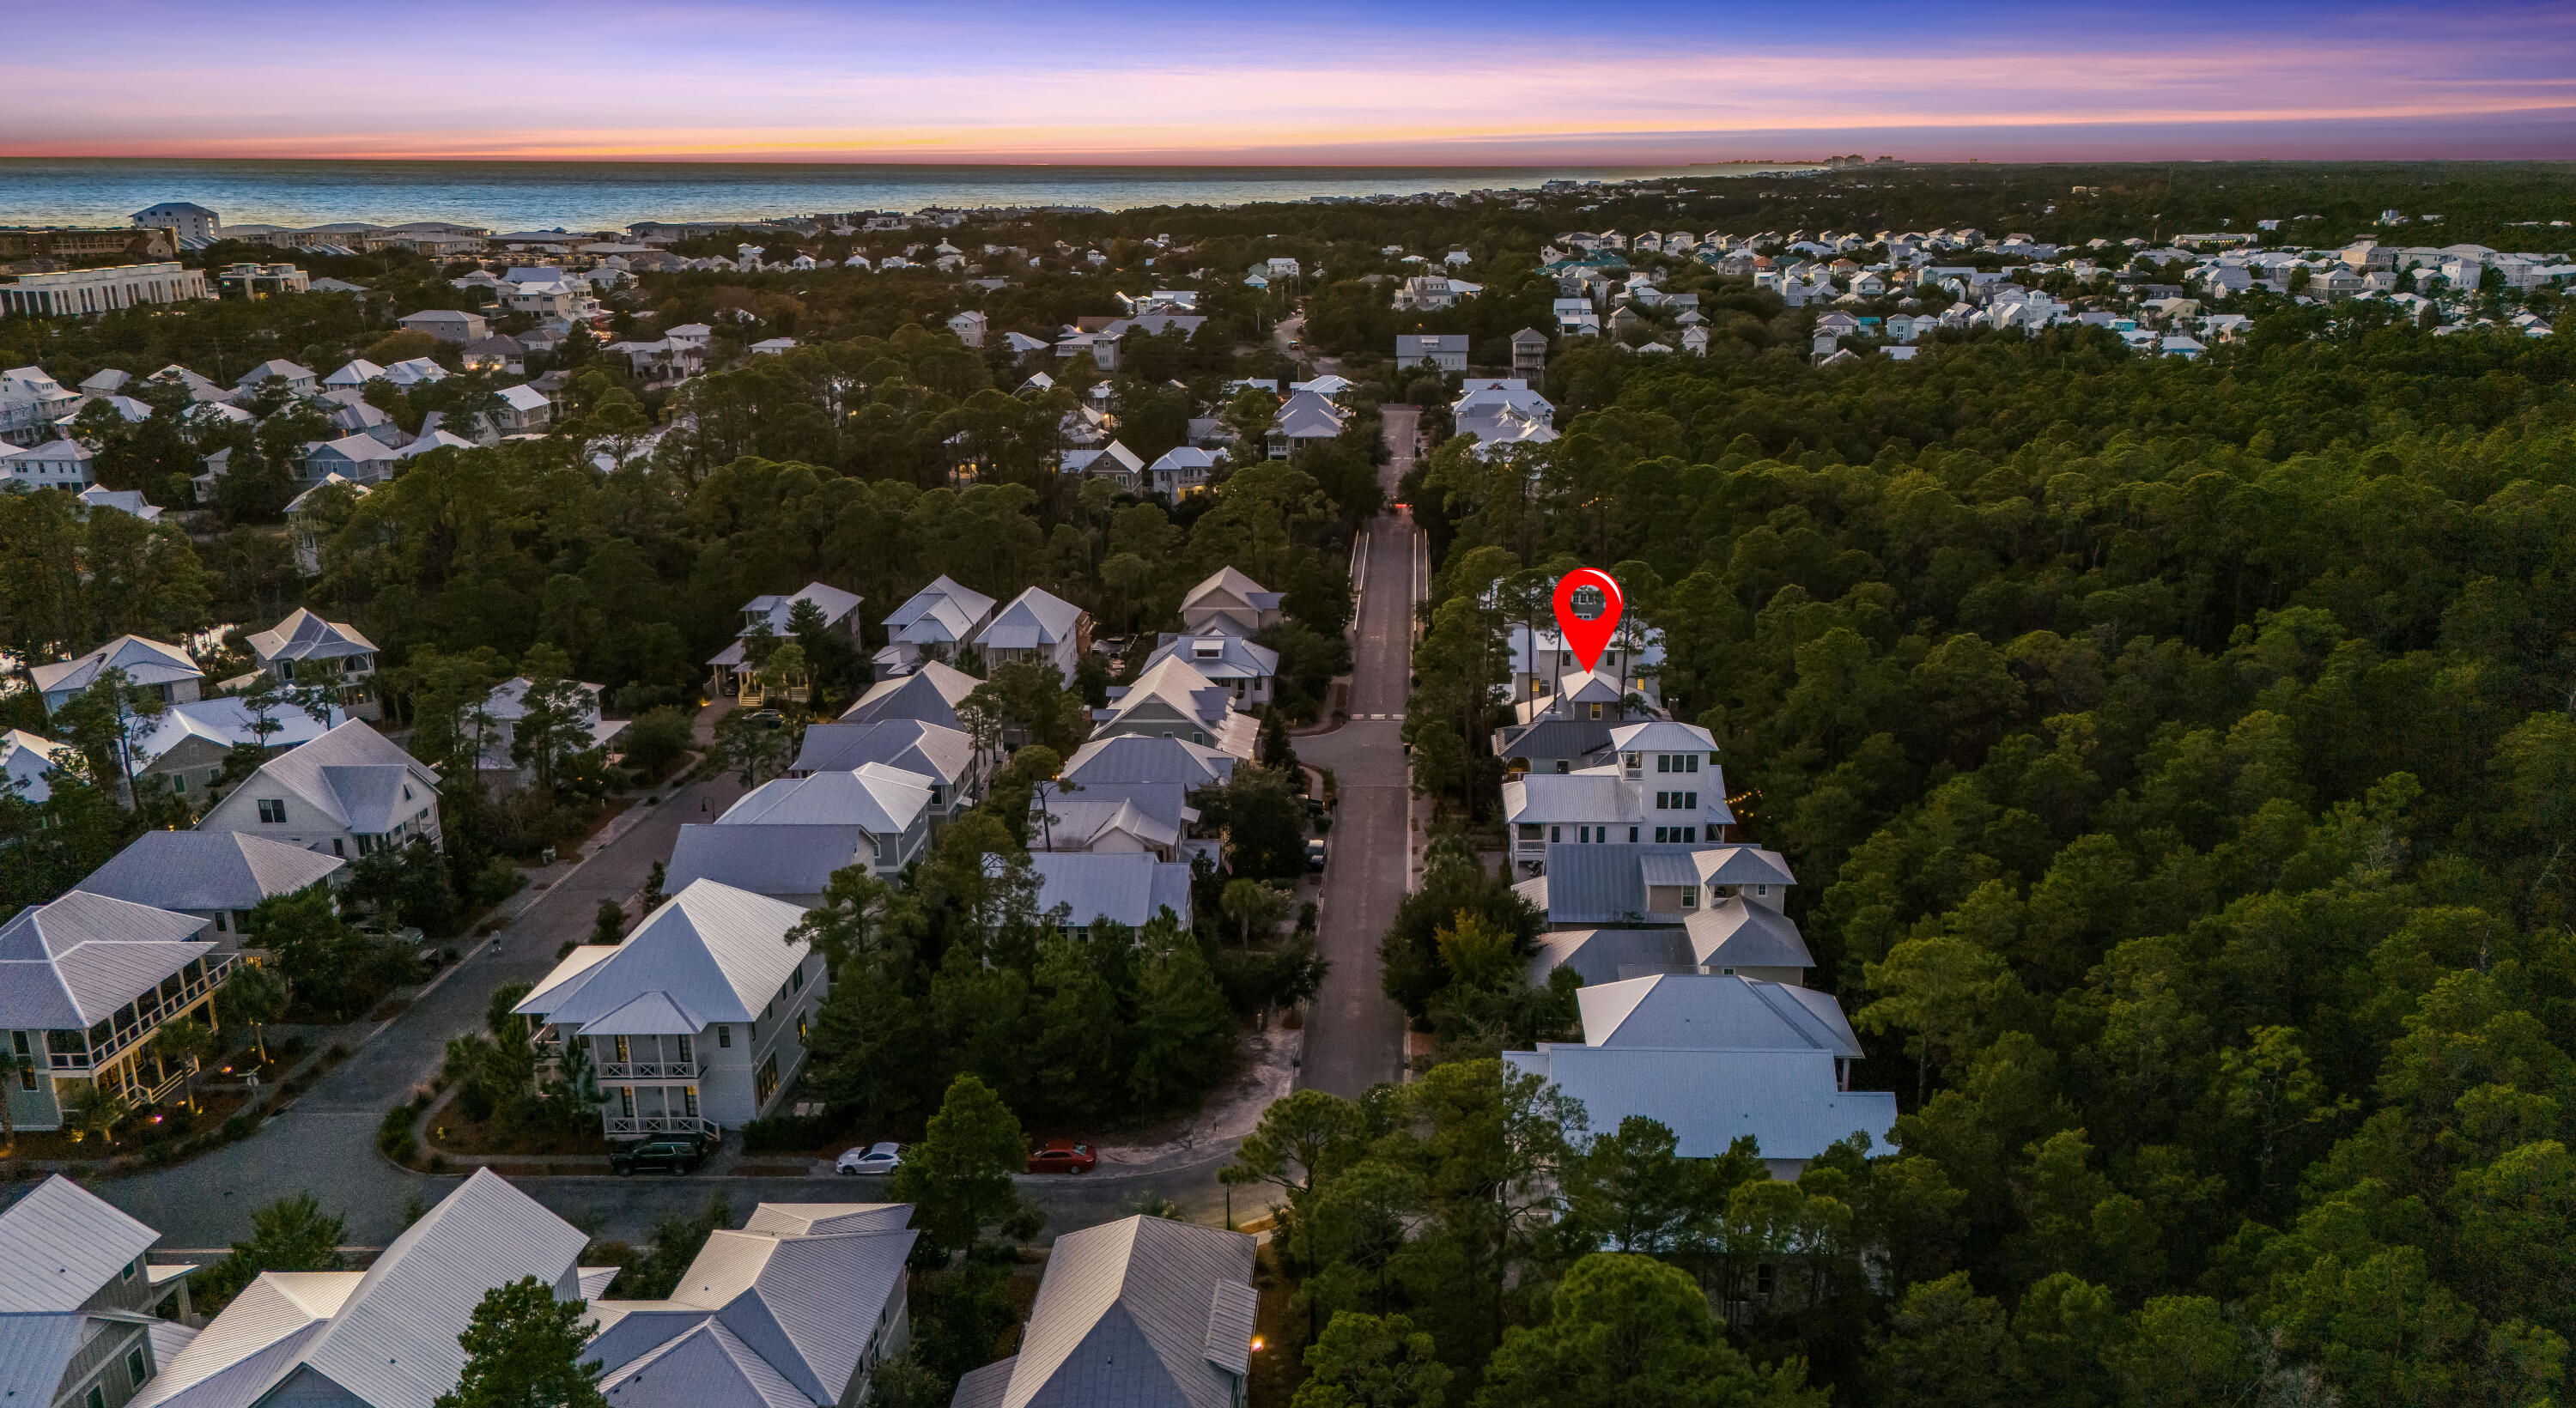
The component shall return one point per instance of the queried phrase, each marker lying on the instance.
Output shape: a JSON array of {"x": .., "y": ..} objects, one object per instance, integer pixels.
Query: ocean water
[{"x": 605, "y": 195}]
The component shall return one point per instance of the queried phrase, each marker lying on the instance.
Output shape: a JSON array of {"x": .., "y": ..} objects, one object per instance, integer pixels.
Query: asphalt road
[
  {"x": 1354, "y": 1035},
  {"x": 324, "y": 1141}
]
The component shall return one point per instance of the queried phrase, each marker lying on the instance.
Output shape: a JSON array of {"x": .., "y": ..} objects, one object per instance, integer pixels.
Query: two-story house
[
  {"x": 1251, "y": 671},
  {"x": 305, "y": 651},
  {"x": 216, "y": 876},
  {"x": 947, "y": 756},
  {"x": 776, "y": 615},
  {"x": 166, "y": 670},
  {"x": 698, "y": 1020},
  {"x": 935, "y": 623},
  {"x": 1038, "y": 625},
  {"x": 1230, "y": 603},
  {"x": 184, "y": 747},
  {"x": 349, "y": 792},
  {"x": 79, "y": 1305},
  {"x": 1144, "y": 1310},
  {"x": 1171, "y": 699},
  {"x": 1570, "y": 729},
  {"x": 85, "y": 981},
  {"x": 786, "y": 837},
  {"x": 1661, "y": 786}
]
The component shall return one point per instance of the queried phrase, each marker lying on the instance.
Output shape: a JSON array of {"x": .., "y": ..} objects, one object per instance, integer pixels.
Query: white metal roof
[
  {"x": 145, "y": 662},
  {"x": 203, "y": 870},
  {"x": 1128, "y": 887},
  {"x": 1127, "y": 1314},
  {"x": 1714, "y": 1012},
  {"x": 1786, "y": 1101},
  {"x": 355, "y": 775},
  {"x": 1736, "y": 933},
  {"x": 715, "y": 953},
  {"x": 1035, "y": 618},
  {"x": 72, "y": 963},
  {"x": 59, "y": 1244},
  {"x": 228, "y": 722},
  {"x": 883, "y": 799},
  {"x": 776, "y": 860}
]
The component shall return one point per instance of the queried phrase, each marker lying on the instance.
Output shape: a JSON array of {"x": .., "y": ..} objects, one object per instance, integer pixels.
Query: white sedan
[{"x": 876, "y": 1158}]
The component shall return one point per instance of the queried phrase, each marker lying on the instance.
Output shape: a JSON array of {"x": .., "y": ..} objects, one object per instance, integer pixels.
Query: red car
[{"x": 1063, "y": 1156}]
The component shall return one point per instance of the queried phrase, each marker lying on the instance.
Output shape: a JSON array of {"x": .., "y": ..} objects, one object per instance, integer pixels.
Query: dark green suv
[{"x": 677, "y": 1155}]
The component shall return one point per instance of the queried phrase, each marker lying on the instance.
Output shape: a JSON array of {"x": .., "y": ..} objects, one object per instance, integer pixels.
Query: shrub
[{"x": 786, "y": 1133}]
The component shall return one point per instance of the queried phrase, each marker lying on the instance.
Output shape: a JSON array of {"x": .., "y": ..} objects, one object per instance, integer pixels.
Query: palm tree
[
  {"x": 185, "y": 1043},
  {"x": 97, "y": 1112},
  {"x": 252, "y": 995}
]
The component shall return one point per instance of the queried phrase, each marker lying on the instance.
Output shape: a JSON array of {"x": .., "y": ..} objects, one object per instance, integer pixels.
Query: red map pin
[{"x": 1586, "y": 635}]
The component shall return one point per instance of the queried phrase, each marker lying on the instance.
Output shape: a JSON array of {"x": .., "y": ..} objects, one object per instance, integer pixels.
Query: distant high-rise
[{"x": 191, "y": 222}]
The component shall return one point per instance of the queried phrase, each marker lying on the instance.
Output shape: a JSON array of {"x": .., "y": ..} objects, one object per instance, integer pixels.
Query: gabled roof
[
  {"x": 1126, "y": 887},
  {"x": 207, "y": 870},
  {"x": 716, "y": 953},
  {"x": 1234, "y": 657},
  {"x": 933, "y": 750},
  {"x": 1131, "y": 757},
  {"x": 1742, "y": 865},
  {"x": 1130, "y": 1313},
  {"x": 145, "y": 662},
  {"x": 782, "y": 861},
  {"x": 393, "y": 1342},
  {"x": 59, "y": 1244},
  {"x": 799, "y": 1219},
  {"x": 261, "y": 1332},
  {"x": 1714, "y": 1012},
  {"x": 930, "y": 694},
  {"x": 942, "y": 612},
  {"x": 305, "y": 636},
  {"x": 355, "y": 775},
  {"x": 69, "y": 964},
  {"x": 1228, "y": 587},
  {"x": 1662, "y": 736},
  {"x": 704, "y": 1366},
  {"x": 26, "y": 760},
  {"x": 1736, "y": 933},
  {"x": 1036, "y": 618},
  {"x": 885, "y": 800},
  {"x": 1609, "y": 955},
  {"x": 833, "y": 602}
]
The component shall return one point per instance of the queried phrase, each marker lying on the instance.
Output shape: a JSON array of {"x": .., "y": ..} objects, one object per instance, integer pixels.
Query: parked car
[
  {"x": 1315, "y": 853},
  {"x": 875, "y": 1158},
  {"x": 679, "y": 1155},
  {"x": 1063, "y": 1156}
]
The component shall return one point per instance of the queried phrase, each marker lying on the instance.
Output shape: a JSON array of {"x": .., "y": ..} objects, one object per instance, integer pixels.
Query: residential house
[
  {"x": 935, "y": 623},
  {"x": 57, "y": 464},
  {"x": 1715, "y": 1059},
  {"x": 388, "y": 1336},
  {"x": 1662, "y": 786},
  {"x": 28, "y": 763},
  {"x": 786, "y": 836},
  {"x": 524, "y": 410},
  {"x": 958, "y": 771},
  {"x": 930, "y": 694},
  {"x": 215, "y": 876},
  {"x": 1502, "y": 411},
  {"x": 969, "y": 327},
  {"x": 164, "y": 670},
  {"x": 1038, "y": 626},
  {"x": 348, "y": 792},
  {"x": 1171, "y": 699},
  {"x": 507, "y": 705},
  {"x": 361, "y": 459},
  {"x": 1529, "y": 354},
  {"x": 1144, "y": 1310},
  {"x": 184, "y": 747},
  {"x": 793, "y": 1311},
  {"x": 85, "y": 982},
  {"x": 1592, "y": 886},
  {"x": 1445, "y": 351},
  {"x": 80, "y": 1308},
  {"x": 1180, "y": 472},
  {"x": 1114, "y": 462},
  {"x": 1230, "y": 603},
  {"x": 1305, "y": 418},
  {"x": 356, "y": 374},
  {"x": 447, "y": 325},
  {"x": 1132, "y": 758},
  {"x": 776, "y": 615},
  {"x": 1542, "y": 663},
  {"x": 1113, "y": 817},
  {"x": 697, "y": 1021},
  {"x": 1251, "y": 671},
  {"x": 304, "y": 652},
  {"x": 1569, "y": 729},
  {"x": 1083, "y": 889},
  {"x": 298, "y": 379}
]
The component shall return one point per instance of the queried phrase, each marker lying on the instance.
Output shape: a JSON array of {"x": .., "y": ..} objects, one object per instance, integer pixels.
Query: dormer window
[{"x": 1690, "y": 896}]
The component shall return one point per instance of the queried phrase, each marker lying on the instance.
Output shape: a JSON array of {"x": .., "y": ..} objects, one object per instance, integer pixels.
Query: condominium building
[{"x": 83, "y": 293}]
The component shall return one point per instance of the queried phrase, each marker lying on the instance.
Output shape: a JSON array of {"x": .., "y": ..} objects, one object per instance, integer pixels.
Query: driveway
[
  {"x": 325, "y": 1140},
  {"x": 1355, "y": 1035}
]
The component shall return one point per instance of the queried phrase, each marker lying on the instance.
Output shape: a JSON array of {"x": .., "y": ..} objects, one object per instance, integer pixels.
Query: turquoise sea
[{"x": 602, "y": 195}]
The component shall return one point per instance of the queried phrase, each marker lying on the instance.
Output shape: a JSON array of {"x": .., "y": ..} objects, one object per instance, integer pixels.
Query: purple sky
[{"x": 1433, "y": 81}]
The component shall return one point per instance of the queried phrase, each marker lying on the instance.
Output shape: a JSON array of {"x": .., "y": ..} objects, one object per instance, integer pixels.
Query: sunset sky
[{"x": 1426, "y": 82}]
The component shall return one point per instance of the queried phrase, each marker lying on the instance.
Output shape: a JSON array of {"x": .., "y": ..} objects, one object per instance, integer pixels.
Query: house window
[
  {"x": 135, "y": 1369},
  {"x": 1663, "y": 762},
  {"x": 689, "y": 1101},
  {"x": 97, "y": 1396},
  {"x": 339, "y": 847},
  {"x": 219, "y": 921},
  {"x": 1690, "y": 801},
  {"x": 1632, "y": 833},
  {"x": 765, "y": 1084},
  {"x": 724, "y": 1037},
  {"x": 1556, "y": 833},
  {"x": 1529, "y": 831},
  {"x": 626, "y": 1101},
  {"x": 796, "y": 980},
  {"x": 1693, "y": 760},
  {"x": 1596, "y": 711},
  {"x": 800, "y": 1030},
  {"x": 684, "y": 1051},
  {"x": 622, "y": 1056},
  {"x": 272, "y": 811},
  {"x": 1690, "y": 835},
  {"x": 1764, "y": 890}
]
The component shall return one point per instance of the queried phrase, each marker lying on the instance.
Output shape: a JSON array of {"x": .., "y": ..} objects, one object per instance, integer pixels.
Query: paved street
[
  {"x": 1355, "y": 1036},
  {"x": 325, "y": 1141}
]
